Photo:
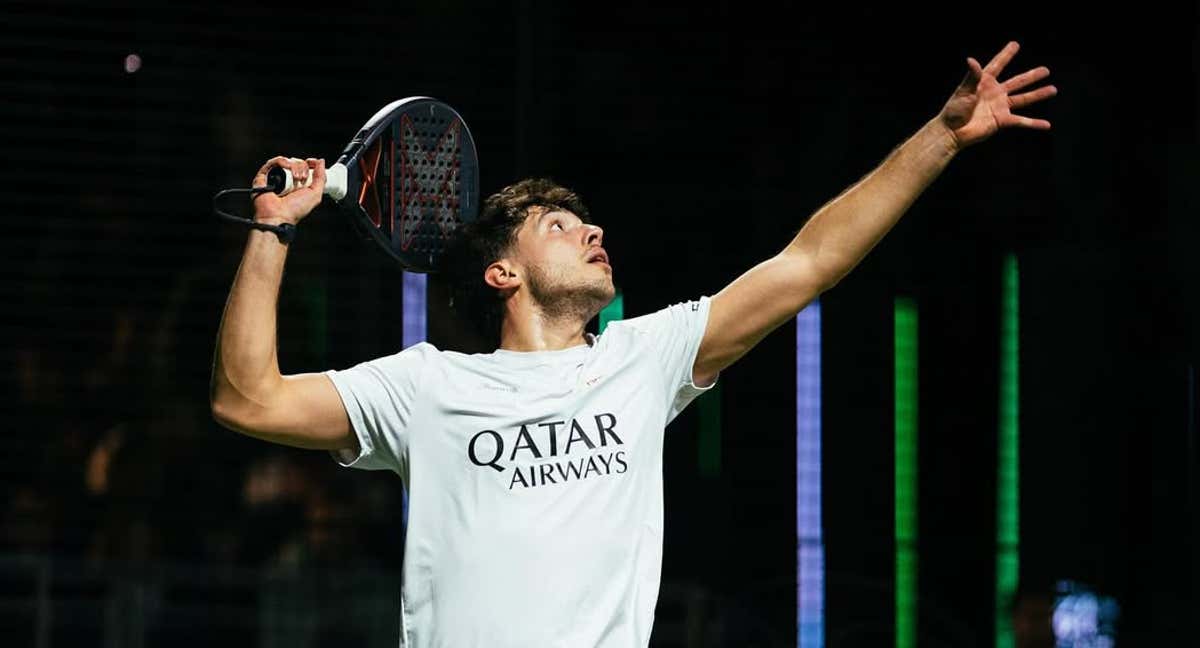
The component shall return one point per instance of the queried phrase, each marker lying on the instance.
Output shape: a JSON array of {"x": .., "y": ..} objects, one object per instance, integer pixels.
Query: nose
[{"x": 593, "y": 235}]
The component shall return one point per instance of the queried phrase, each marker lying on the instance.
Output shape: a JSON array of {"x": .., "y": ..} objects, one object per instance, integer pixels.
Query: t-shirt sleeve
[
  {"x": 380, "y": 397},
  {"x": 672, "y": 338}
]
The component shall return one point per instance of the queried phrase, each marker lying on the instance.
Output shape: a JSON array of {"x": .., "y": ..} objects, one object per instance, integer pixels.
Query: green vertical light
[
  {"x": 613, "y": 312},
  {"x": 906, "y": 471},
  {"x": 1008, "y": 517},
  {"x": 708, "y": 453}
]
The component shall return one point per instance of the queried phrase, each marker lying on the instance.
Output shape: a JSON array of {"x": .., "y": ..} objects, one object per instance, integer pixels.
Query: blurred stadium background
[{"x": 701, "y": 135}]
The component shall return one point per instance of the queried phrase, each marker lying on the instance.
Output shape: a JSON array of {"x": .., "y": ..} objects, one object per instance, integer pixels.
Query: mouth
[{"x": 598, "y": 255}]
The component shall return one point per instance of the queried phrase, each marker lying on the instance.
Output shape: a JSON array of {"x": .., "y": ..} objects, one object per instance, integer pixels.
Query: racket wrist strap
[{"x": 286, "y": 232}]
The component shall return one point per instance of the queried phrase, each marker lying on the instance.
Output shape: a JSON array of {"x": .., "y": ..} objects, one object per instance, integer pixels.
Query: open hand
[{"x": 982, "y": 105}]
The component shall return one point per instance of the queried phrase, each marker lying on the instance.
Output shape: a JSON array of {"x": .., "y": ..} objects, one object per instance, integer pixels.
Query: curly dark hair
[{"x": 477, "y": 245}]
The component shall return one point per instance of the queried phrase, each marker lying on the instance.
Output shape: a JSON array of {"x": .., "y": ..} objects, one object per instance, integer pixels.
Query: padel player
[{"x": 535, "y": 471}]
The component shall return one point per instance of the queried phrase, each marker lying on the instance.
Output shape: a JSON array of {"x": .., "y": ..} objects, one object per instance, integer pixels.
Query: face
[{"x": 566, "y": 269}]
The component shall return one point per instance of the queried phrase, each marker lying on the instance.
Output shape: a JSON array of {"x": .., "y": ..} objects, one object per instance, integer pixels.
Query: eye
[{"x": 557, "y": 224}]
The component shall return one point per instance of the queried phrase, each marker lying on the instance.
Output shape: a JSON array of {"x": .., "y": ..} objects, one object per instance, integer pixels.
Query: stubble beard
[{"x": 562, "y": 297}]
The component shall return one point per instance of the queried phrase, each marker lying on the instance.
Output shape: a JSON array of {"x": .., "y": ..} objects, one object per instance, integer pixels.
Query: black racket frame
[{"x": 415, "y": 243}]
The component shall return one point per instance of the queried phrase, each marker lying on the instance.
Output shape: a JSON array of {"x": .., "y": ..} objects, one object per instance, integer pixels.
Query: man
[{"x": 535, "y": 472}]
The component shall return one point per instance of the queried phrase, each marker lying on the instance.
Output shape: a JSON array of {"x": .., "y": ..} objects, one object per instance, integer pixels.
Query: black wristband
[{"x": 285, "y": 231}]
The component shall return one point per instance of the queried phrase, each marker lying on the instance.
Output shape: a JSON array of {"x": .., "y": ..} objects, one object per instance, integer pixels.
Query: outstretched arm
[{"x": 837, "y": 237}]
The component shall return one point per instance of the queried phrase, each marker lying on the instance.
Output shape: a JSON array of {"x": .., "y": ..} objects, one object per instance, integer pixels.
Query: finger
[
  {"x": 971, "y": 79},
  {"x": 318, "y": 172},
  {"x": 299, "y": 172},
  {"x": 1027, "y": 122},
  {"x": 310, "y": 169},
  {"x": 996, "y": 65},
  {"x": 260, "y": 178},
  {"x": 973, "y": 73},
  {"x": 309, "y": 163},
  {"x": 1022, "y": 100},
  {"x": 1025, "y": 79}
]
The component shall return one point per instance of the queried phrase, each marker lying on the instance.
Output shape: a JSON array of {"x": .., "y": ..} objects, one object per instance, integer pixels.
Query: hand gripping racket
[{"x": 407, "y": 180}]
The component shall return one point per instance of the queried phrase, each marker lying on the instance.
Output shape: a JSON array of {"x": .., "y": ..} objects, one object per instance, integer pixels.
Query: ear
[{"x": 502, "y": 275}]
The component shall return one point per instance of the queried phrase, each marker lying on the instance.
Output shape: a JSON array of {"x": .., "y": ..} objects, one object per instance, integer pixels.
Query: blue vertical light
[
  {"x": 413, "y": 332},
  {"x": 810, "y": 545},
  {"x": 414, "y": 309}
]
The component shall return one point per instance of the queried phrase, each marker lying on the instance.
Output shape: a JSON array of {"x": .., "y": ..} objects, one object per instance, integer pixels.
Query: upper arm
[
  {"x": 303, "y": 411},
  {"x": 755, "y": 304}
]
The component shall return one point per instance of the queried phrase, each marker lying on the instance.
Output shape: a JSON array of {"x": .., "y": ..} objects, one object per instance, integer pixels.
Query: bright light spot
[
  {"x": 1084, "y": 619},
  {"x": 133, "y": 63}
]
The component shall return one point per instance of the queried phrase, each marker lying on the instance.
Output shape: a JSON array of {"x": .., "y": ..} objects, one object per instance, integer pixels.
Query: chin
[
  {"x": 580, "y": 294},
  {"x": 598, "y": 294},
  {"x": 608, "y": 289}
]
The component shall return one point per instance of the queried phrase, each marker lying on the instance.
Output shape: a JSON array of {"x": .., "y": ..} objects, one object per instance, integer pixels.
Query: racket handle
[{"x": 281, "y": 181}]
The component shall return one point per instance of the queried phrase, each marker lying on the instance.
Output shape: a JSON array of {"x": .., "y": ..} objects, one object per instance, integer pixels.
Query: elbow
[
  {"x": 236, "y": 418},
  {"x": 827, "y": 284},
  {"x": 227, "y": 408},
  {"x": 218, "y": 401},
  {"x": 230, "y": 406},
  {"x": 223, "y": 413},
  {"x": 827, "y": 273},
  {"x": 811, "y": 273}
]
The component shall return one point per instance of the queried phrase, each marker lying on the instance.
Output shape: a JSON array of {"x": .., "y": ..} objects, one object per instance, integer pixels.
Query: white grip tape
[{"x": 335, "y": 181}]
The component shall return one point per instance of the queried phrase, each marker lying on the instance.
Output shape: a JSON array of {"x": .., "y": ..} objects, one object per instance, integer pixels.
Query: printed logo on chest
[{"x": 548, "y": 453}]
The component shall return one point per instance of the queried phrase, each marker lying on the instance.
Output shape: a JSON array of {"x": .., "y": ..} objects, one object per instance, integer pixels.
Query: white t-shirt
[{"x": 534, "y": 480}]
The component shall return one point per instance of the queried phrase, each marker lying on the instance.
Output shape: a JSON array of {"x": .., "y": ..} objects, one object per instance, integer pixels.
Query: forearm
[
  {"x": 843, "y": 231},
  {"x": 246, "y": 367}
]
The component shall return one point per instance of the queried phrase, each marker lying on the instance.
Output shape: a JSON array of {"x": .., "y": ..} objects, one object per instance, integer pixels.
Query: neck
[{"x": 528, "y": 327}]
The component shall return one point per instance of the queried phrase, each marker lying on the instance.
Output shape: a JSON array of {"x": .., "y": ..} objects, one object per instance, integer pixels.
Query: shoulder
[
  {"x": 669, "y": 317},
  {"x": 407, "y": 361},
  {"x": 419, "y": 352}
]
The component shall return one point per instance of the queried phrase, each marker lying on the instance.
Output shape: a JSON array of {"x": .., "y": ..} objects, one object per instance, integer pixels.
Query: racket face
[{"x": 412, "y": 179}]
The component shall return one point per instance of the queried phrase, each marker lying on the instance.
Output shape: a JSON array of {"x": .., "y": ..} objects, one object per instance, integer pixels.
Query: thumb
[
  {"x": 976, "y": 69},
  {"x": 971, "y": 79}
]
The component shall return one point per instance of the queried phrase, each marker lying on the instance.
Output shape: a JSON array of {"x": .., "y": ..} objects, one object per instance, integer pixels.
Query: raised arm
[
  {"x": 248, "y": 393},
  {"x": 837, "y": 237}
]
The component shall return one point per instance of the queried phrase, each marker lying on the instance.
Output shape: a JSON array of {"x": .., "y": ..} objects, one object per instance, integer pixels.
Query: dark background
[{"x": 701, "y": 136}]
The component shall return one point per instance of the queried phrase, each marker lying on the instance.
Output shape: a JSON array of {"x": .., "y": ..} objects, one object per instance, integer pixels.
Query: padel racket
[{"x": 407, "y": 180}]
